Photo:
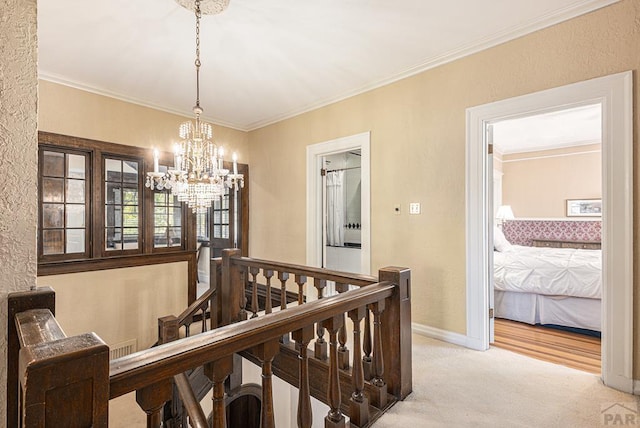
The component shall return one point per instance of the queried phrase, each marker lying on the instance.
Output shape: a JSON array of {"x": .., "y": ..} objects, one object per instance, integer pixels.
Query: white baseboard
[{"x": 444, "y": 335}]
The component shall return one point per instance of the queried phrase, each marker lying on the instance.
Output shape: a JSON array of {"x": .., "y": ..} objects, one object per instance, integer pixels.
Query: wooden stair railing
[{"x": 151, "y": 373}]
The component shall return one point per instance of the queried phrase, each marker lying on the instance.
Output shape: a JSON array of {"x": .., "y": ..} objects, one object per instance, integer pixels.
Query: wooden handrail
[
  {"x": 312, "y": 272},
  {"x": 134, "y": 371},
  {"x": 37, "y": 326},
  {"x": 196, "y": 306},
  {"x": 265, "y": 340},
  {"x": 191, "y": 405}
]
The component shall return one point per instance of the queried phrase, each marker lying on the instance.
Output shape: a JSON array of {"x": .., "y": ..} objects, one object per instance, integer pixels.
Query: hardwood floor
[{"x": 561, "y": 347}]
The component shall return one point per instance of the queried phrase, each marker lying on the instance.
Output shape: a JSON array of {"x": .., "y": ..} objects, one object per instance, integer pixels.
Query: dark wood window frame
[{"x": 96, "y": 258}]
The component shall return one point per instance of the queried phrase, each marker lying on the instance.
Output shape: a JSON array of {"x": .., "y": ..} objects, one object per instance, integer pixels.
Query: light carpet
[{"x": 459, "y": 387}]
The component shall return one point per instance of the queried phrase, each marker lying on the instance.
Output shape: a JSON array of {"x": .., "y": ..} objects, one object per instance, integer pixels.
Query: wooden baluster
[
  {"x": 215, "y": 270},
  {"x": 266, "y": 352},
  {"x": 320, "y": 347},
  {"x": 343, "y": 351},
  {"x": 379, "y": 395},
  {"x": 204, "y": 319},
  {"x": 217, "y": 372},
  {"x": 367, "y": 362},
  {"x": 151, "y": 399},
  {"x": 254, "y": 291},
  {"x": 283, "y": 277},
  {"x": 186, "y": 329},
  {"x": 302, "y": 338},
  {"x": 243, "y": 300},
  {"x": 301, "y": 280},
  {"x": 268, "y": 274},
  {"x": 359, "y": 404},
  {"x": 334, "y": 418}
]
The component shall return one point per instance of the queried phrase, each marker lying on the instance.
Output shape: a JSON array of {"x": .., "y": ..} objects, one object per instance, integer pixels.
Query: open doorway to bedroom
[
  {"x": 547, "y": 216},
  {"x": 615, "y": 94}
]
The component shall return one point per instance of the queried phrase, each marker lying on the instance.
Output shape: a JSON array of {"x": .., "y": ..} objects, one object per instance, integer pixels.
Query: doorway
[
  {"x": 224, "y": 225},
  {"x": 614, "y": 93},
  {"x": 342, "y": 206},
  {"x": 350, "y": 149},
  {"x": 547, "y": 282}
]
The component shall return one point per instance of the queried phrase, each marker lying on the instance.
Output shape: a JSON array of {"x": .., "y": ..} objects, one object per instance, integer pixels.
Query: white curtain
[{"x": 335, "y": 208}]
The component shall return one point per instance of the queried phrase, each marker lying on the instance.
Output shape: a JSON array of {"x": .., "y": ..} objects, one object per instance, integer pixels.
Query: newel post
[
  {"x": 396, "y": 332},
  {"x": 41, "y": 298},
  {"x": 231, "y": 292}
]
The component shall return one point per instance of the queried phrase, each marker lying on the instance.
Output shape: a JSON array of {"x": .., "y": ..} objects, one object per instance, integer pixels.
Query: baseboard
[
  {"x": 444, "y": 335},
  {"x": 636, "y": 387}
]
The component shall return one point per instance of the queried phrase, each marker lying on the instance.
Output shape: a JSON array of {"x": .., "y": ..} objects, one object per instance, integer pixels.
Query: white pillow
[{"x": 500, "y": 243}]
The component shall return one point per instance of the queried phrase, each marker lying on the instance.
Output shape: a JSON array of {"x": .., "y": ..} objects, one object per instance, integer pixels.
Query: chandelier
[{"x": 198, "y": 176}]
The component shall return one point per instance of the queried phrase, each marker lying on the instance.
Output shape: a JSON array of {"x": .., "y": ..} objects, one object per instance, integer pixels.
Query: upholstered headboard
[{"x": 521, "y": 232}]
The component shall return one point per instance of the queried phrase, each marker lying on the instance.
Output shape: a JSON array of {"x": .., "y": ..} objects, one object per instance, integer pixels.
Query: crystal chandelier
[{"x": 198, "y": 176}]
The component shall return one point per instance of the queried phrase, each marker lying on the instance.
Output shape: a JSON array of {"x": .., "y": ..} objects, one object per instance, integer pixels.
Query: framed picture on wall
[{"x": 584, "y": 207}]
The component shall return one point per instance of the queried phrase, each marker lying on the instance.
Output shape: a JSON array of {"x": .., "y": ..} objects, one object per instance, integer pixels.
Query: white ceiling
[
  {"x": 563, "y": 128},
  {"x": 263, "y": 61}
]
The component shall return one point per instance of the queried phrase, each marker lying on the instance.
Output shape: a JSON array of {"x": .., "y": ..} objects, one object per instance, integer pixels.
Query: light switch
[{"x": 414, "y": 208}]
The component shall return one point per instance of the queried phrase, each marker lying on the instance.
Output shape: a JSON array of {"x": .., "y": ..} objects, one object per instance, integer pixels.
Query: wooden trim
[{"x": 105, "y": 263}]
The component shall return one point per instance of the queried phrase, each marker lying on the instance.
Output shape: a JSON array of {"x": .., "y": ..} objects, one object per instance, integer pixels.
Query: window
[
  {"x": 167, "y": 220},
  {"x": 64, "y": 208},
  {"x": 221, "y": 217},
  {"x": 94, "y": 208},
  {"x": 122, "y": 206}
]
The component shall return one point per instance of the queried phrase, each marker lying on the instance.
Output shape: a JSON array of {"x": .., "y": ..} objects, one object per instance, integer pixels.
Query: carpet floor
[{"x": 459, "y": 387}]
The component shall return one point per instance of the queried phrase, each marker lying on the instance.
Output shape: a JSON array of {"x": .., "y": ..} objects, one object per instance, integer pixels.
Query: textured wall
[
  {"x": 18, "y": 160},
  {"x": 418, "y": 152},
  {"x": 537, "y": 184}
]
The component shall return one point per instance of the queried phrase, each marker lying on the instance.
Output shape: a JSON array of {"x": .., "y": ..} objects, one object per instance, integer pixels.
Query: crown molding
[
  {"x": 578, "y": 8},
  {"x": 541, "y": 22},
  {"x": 60, "y": 80}
]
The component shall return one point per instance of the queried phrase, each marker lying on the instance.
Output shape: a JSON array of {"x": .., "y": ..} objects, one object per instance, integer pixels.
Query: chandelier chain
[{"x": 197, "y": 62}]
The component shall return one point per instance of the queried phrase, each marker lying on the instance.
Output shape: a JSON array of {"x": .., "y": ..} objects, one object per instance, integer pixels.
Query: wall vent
[{"x": 124, "y": 348}]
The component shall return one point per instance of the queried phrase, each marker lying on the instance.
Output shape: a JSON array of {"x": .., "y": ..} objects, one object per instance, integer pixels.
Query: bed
[{"x": 539, "y": 285}]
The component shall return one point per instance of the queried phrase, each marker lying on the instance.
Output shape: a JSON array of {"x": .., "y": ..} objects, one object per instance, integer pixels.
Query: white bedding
[{"x": 549, "y": 271}]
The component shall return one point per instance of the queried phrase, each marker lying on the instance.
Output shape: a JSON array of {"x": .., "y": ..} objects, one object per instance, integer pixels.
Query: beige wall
[
  {"x": 18, "y": 161},
  {"x": 418, "y": 151},
  {"x": 119, "y": 304},
  {"x": 70, "y": 111},
  {"x": 537, "y": 184}
]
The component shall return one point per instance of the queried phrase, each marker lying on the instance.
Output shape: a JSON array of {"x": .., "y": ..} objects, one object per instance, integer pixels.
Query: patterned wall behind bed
[{"x": 521, "y": 232}]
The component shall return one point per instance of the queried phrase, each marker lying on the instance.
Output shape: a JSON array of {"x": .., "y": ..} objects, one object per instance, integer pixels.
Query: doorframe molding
[
  {"x": 615, "y": 94},
  {"x": 315, "y": 153}
]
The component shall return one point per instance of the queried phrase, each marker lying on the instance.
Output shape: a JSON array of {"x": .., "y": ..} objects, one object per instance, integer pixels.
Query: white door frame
[
  {"x": 615, "y": 94},
  {"x": 315, "y": 153}
]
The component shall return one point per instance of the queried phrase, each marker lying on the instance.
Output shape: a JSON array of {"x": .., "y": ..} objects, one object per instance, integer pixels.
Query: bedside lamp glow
[{"x": 504, "y": 213}]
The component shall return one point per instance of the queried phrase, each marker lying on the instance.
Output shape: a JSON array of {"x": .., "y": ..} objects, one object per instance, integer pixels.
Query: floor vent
[{"x": 124, "y": 348}]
